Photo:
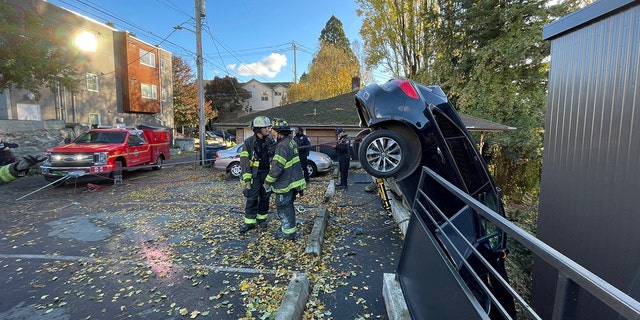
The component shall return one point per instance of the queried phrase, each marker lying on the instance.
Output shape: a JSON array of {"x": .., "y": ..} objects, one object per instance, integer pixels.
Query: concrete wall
[{"x": 34, "y": 136}]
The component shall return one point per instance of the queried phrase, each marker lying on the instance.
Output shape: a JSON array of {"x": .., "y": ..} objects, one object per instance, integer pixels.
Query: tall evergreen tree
[{"x": 331, "y": 69}]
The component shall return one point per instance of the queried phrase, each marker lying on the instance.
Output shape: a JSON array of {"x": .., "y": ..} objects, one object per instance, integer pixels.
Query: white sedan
[{"x": 229, "y": 161}]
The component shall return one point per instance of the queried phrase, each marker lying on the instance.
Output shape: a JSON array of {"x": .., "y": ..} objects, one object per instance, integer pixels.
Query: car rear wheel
[
  {"x": 383, "y": 153},
  {"x": 235, "y": 170},
  {"x": 312, "y": 169}
]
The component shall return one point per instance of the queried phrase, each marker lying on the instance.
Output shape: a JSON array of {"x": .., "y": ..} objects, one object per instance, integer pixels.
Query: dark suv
[{"x": 410, "y": 125}]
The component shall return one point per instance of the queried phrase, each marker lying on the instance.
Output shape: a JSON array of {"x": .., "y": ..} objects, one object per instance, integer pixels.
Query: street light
[{"x": 200, "y": 12}]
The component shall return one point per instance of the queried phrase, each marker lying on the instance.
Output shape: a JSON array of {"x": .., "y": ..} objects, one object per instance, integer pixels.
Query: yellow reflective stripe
[
  {"x": 290, "y": 230},
  {"x": 293, "y": 161},
  {"x": 270, "y": 179},
  {"x": 250, "y": 221},
  {"x": 292, "y": 185},
  {"x": 246, "y": 175},
  {"x": 244, "y": 154},
  {"x": 280, "y": 159},
  {"x": 5, "y": 175},
  {"x": 262, "y": 216}
]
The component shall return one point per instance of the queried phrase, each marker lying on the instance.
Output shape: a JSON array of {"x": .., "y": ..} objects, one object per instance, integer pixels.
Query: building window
[
  {"x": 162, "y": 64},
  {"x": 278, "y": 93},
  {"x": 147, "y": 58},
  {"x": 149, "y": 91},
  {"x": 264, "y": 93},
  {"x": 265, "y": 99},
  {"x": 92, "y": 82},
  {"x": 94, "y": 120},
  {"x": 164, "y": 95}
]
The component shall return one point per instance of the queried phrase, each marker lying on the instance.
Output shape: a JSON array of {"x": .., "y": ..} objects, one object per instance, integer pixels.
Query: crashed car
[{"x": 409, "y": 125}]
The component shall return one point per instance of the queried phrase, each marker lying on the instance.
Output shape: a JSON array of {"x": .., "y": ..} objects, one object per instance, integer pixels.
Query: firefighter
[
  {"x": 285, "y": 179},
  {"x": 342, "y": 149},
  {"x": 17, "y": 169},
  {"x": 254, "y": 160}
]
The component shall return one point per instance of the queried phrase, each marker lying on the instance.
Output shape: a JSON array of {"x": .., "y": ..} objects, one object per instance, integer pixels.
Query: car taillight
[{"x": 407, "y": 88}]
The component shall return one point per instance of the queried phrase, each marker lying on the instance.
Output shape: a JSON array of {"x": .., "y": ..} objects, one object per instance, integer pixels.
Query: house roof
[
  {"x": 339, "y": 111},
  {"x": 268, "y": 84}
]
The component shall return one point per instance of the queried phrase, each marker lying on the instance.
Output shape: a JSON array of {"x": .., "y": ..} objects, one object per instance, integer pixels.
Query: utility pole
[
  {"x": 200, "y": 12},
  {"x": 295, "y": 72}
]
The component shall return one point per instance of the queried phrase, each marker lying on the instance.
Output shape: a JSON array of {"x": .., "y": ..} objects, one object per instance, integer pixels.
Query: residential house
[
  {"x": 264, "y": 95},
  {"x": 125, "y": 79}
]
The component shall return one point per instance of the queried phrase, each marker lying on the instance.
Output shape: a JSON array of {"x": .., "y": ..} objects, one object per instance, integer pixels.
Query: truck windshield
[{"x": 101, "y": 137}]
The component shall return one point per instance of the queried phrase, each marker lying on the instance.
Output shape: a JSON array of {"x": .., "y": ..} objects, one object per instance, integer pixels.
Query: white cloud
[{"x": 267, "y": 67}]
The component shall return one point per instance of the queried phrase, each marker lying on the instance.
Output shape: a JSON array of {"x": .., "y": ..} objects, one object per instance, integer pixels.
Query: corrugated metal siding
[{"x": 590, "y": 191}]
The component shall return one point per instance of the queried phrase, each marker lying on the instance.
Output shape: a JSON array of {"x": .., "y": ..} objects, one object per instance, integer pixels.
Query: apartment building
[
  {"x": 125, "y": 79},
  {"x": 264, "y": 95}
]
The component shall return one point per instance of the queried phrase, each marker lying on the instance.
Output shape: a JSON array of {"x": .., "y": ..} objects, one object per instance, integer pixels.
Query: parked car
[
  {"x": 229, "y": 161},
  {"x": 409, "y": 125},
  {"x": 223, "y": 134}
]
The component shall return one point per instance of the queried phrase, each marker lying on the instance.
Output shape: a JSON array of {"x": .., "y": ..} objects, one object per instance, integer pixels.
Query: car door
[{"x": 137, "y": 149}]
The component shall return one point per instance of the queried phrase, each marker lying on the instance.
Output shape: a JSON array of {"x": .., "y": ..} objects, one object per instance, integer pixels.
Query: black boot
[
  {"x": 262, "y": 223},
  {"x": 282, "y": 235},
  {"x": 246, "y": 227}
]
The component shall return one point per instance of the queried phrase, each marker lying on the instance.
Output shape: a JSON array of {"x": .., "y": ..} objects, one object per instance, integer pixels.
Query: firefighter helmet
[
  {"x": 260, "y": 122},
  {"x": 282, "y": 126}
]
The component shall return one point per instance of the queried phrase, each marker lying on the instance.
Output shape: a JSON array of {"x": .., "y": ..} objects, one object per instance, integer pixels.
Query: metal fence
[{"x": 456, "y": 250}]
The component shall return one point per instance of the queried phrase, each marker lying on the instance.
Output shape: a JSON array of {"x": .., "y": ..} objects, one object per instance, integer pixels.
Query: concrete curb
[
  {"x": 401, "y": 215},
  {"x": 317, "y": 233},
  {"x": 394, "y": 299},
  {"x": 295, "y": 299},
  {"x": 331, "y": 190}
]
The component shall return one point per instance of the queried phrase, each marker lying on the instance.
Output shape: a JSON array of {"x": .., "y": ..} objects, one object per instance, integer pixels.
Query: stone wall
[{"x": 34, "y": 137}]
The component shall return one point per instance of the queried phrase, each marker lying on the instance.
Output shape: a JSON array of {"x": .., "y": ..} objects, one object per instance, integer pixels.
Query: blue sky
[{"x": 243, "y": 38}]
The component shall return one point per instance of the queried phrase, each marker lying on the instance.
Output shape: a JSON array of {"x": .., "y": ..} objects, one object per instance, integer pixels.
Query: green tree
[
  {"x": 394, "y": 34},
  {"x": 490, "y": 58},
  {"x": 225, "y": 96},
  {"x": 186, "y": 111},
  {"x": 33, "y": 56},
  {"x": 333, "y": 33},
  {"x": 331, "y": 69}
]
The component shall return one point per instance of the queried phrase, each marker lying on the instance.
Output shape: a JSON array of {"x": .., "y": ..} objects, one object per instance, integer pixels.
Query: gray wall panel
[{"x": 590, "y": 189}]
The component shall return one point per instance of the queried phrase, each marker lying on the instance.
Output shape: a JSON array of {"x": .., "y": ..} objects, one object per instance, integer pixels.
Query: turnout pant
[
  {"x": 286, "y": 211},
  {"x": 257, "y": 206}
]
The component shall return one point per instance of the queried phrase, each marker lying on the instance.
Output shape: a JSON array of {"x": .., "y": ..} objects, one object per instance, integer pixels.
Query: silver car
[{"x": 229, "y": 160}]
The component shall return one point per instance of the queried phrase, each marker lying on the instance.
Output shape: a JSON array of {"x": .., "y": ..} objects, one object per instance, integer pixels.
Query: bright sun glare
[{"x": 86, "y": 41}]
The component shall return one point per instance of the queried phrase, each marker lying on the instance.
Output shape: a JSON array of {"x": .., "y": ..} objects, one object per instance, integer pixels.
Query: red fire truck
[{"x": 104, "y": 151}]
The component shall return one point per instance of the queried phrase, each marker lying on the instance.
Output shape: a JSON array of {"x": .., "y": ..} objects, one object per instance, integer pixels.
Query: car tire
[
  {"x": 312, "y": 169},
  {"x": 159, "y": 163},
  {"x": 383, "y": 153},
  {"x": 235, "y": 170}
]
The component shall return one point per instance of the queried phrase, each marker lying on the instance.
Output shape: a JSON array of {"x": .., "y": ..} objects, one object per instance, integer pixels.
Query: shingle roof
[{"x": 339, "y": 111}]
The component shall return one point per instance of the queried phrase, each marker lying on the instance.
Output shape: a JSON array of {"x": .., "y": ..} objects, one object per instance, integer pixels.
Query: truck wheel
[
  {"x": 159, "y": 163},
  {"x": 235, "y": 170}
]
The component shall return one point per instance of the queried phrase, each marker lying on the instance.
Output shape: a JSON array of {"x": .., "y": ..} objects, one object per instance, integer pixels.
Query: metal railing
[{"x": 572, "y": 277}]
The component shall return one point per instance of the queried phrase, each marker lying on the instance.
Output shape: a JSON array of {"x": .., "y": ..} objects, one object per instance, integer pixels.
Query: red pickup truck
[{"x": 101, "y": 152}]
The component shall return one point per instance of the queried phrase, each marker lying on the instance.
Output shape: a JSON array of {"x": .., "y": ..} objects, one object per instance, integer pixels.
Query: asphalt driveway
[{"x": 164, "y": 245}]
